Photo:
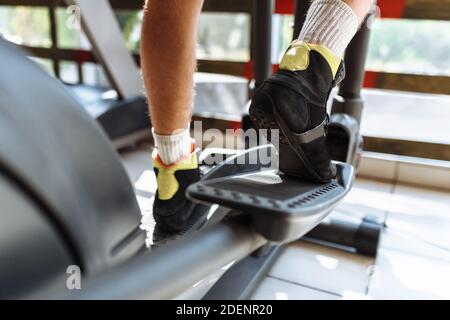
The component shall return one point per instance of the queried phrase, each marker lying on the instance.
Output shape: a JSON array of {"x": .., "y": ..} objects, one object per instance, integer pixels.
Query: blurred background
[{"x": 408, "y": 78}]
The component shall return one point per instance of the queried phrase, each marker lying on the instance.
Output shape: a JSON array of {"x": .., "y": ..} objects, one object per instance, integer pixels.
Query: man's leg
[
  {"x": 168, "y": 45},
  {"x": 294, "y": 99}
]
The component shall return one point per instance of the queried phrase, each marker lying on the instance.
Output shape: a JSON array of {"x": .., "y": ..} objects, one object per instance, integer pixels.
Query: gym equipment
[
  {"x": 66, "y": 200},
  {"x": 121, "y": 111},
  {"x": 344, "y": 139},
  {"x": 124, "y": 120},
  {"x": 346, "y": 144},
  {"x": 337, "y": 230}
]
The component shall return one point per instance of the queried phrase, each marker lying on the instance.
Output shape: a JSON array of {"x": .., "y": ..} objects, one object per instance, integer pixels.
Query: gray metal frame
[
  {"x": 168, "y": 271},
  {"x": 162, "y": 274},
  {"x": 241, "y": 280},
  {"x": 350, "y": 101},
  {"x": 346, "y": 115},
  {"x": 262, "y": 40}
]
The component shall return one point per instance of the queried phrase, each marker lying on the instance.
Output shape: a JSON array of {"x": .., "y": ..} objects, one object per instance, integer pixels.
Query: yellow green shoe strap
[
  {"x": 296, "y": 57},
  {"x": 166, "y": 180}
]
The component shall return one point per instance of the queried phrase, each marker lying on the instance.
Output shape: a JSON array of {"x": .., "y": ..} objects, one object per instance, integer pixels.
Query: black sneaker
[
  {"x": 174, "y": 214},
  {"x": 294, "y": 101}
]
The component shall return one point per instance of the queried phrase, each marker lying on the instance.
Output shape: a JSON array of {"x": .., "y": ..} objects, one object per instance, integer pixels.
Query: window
[
  {"x": 69, "y": 38},
  {"x": 224, "y": 36},
  {"x": 221, "y": 36},
  {"x": 25, "y": 25},
  {"x": 130, "y": 21},
  {"x": 417, "y": 47},
  {"x": 410, "y": 46}
]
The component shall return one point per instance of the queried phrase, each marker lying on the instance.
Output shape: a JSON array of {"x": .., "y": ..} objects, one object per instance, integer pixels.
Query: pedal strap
[
  {"x": 307, "y": 136},
  {"x": 304, "y": 138}
]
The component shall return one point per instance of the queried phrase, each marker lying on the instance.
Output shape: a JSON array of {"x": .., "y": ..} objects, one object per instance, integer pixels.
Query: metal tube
[
  {"x": 349, "y": 96},
  {"x": 241, "y": 280},
  {"x": 262, "y": 43},
  {"x": 172, "y": 269},
  {"x": 359, "y": 234},
  {"x": 301, "y": 9},
  {"x": 355, "y": 61}
]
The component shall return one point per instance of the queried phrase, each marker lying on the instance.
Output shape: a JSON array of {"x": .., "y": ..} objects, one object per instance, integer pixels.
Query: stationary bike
[
  {"x": 344, "y": 138},
  {"x": 66, "y": 201}
]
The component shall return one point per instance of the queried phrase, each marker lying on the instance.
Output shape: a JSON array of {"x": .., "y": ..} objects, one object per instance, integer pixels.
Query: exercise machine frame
[
  {"x": 358, "y": 235},
  {"x": 94, "y": 229}
]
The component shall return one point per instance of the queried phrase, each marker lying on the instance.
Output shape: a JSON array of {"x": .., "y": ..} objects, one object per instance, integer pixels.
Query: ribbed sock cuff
[
  {"x": 331, "y": 23},
  {"x": 172, "y": 148}
]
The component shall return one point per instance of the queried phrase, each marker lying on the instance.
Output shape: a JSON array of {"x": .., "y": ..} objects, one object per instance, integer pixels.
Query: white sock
[
  {"x": 172, "y": 148},
  {"x": 331, "y": 23}
]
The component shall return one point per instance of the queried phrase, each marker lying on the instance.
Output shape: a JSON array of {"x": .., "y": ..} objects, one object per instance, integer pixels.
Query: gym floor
[{"x": 413, "y": 260}]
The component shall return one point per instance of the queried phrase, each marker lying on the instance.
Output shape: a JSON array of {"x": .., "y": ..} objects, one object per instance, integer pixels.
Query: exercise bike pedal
[{"x": 283, "y": 208}]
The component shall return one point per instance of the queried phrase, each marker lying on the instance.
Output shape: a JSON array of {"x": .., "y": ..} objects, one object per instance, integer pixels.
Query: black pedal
[{"x": 283, "y": 208}]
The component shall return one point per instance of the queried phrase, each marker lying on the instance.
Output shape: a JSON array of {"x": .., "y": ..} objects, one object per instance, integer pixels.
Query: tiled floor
[{"x": 413, "y": 260}]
